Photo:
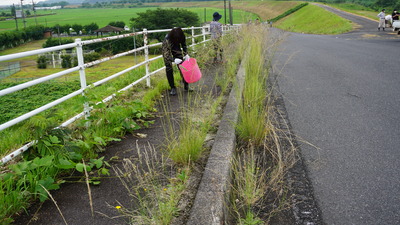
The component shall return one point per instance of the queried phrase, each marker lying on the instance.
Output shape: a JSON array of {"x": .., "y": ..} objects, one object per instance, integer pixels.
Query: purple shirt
[{"x": 215, "y": 29}]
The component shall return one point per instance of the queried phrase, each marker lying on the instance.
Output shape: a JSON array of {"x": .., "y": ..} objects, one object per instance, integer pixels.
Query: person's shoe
[
  {"x": 173, "y": 91},
  {"x": 188, "y": 89}
]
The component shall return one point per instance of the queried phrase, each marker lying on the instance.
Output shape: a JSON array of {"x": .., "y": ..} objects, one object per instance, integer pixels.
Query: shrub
[
  {"x": 42, "y": 62},
  {"x": 120, "y": 24},
  {"x": 14, "y": 38},
  {"x": 57, "y": 41},
  {"x": 66, "y": 61},
  {"x": 90, "y": 57}
]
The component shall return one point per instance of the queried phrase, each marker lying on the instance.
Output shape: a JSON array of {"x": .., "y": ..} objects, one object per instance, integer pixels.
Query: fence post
[
  {"x": 146, "y": 56},
  {"x": 193, "y": 42},
  {"x": 203, "y": 31},
  {"x": 82, "y": 75},
  {"x": 53, "y": 60}
]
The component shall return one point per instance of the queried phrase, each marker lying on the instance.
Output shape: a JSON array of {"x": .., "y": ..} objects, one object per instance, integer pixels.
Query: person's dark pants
[{"x": 170, "y": 74}]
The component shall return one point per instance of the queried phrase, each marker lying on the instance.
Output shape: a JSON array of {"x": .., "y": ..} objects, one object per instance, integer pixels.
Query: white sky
[{"x": 16, "y": 2}]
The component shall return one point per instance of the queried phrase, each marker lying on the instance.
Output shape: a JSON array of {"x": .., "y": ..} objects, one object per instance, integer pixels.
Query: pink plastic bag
[{"x": 190, "y": 70}]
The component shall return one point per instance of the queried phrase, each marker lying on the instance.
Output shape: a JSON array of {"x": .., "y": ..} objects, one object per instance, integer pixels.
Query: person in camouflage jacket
[{"x": 174, "y": 49}]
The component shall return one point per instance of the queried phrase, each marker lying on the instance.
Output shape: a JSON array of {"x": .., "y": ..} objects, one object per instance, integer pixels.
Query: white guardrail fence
[{"x": 205, "y": 33}]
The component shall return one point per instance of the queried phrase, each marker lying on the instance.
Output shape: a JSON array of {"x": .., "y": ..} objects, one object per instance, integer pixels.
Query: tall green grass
[
  {"x": 185, "y": 142},
  {"x": 252, "y": 119},
  {"x": 312, "y": 19},
  {"x": 261, "y": 162}
]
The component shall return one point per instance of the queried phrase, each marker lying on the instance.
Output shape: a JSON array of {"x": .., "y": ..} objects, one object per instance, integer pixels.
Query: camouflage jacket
[{"x": 170, "y": 51}]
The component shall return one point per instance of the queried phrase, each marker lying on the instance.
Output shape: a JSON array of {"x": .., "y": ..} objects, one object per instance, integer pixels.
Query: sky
[{"x": 16, "y": 2}]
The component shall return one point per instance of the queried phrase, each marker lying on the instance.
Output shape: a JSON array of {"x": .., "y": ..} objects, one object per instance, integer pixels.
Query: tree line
[{"x": 373, "y": 4}]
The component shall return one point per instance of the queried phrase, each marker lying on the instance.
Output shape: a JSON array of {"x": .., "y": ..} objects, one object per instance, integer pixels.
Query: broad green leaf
[{"x": 54, "y": 139}]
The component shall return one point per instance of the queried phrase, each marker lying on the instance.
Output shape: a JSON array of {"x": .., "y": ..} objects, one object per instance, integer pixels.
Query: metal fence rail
[{"x": 81, "y": 68}]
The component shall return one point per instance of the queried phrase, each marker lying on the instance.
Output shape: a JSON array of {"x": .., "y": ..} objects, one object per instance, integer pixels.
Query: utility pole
[
  {"x": 23, "y": 14},
  {"x": 205, "y": 15},
  {"x": 34, "y": 11},
  {"x": 225, "y": 10},
  {"x": 230, "y": 13},
  {"x": 15, "y": 16}
]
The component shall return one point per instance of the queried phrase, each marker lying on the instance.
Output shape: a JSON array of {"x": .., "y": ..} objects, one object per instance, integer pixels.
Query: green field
[{"x": 102, "y": 16}]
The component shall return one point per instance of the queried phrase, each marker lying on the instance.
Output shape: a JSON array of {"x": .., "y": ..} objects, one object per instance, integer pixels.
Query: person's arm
[
  {"x": 219, "y": 29},
  {"x": 166, "y": 51},
  {"x": 184, "y": 47}
]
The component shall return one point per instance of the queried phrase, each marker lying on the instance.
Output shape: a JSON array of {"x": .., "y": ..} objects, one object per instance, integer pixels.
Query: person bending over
[{"x": 173, "y": 49}]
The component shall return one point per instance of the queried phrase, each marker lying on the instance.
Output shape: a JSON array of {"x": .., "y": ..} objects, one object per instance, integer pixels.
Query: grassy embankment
[
  {"x": 312, "y": 19},
  {"x": 264, "y": 9},
  {"x": 357, "y": 9}
]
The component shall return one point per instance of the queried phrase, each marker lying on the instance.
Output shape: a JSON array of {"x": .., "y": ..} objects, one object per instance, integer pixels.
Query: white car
[{"x": 396, "y": 26}]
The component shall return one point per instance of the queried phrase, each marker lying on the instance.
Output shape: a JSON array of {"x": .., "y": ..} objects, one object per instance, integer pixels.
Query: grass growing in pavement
[
  {"x": 155, "y": 193},
  {"x": 251, "y": 126},
  {"x": 249, "y": 185},
  {"x": 261, "y": 163},
  {"x": 186, "y": 145},
  {"x": 312, "y": 19}
]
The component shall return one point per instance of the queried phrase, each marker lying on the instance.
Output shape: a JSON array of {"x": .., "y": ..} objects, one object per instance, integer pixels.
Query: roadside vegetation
[
  {"x": 259, "y": 167},
  {"x": 259, "y": 192}
]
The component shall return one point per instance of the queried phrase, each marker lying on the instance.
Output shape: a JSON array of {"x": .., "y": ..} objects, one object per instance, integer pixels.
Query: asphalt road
[{"x": 342, "y": 94}]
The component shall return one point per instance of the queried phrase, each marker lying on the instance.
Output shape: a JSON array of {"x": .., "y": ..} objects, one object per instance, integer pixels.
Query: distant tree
[
  {"x": 86, "y": 5},
  {"x": 77, "y": 27},
  {"x": 120, "y": 24},
  {"x": 98, "y": 5},
  {"x": 27, "y": 13},
  {"x": 164, "y": 19},
  {"x": 90, "y": 27},
  {"x": 386, "y": 3},
  {"x": 65, "y": 28},
  {"x": 63, "y": 4},
  {"x": 58, "y": 29}
]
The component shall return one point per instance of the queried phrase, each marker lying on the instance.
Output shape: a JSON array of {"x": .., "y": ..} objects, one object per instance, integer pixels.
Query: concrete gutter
[{"x": 212, "y": 199}]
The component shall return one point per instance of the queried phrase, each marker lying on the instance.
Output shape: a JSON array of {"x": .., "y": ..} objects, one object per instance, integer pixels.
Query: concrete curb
[{"x": 211, "y": 203}]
